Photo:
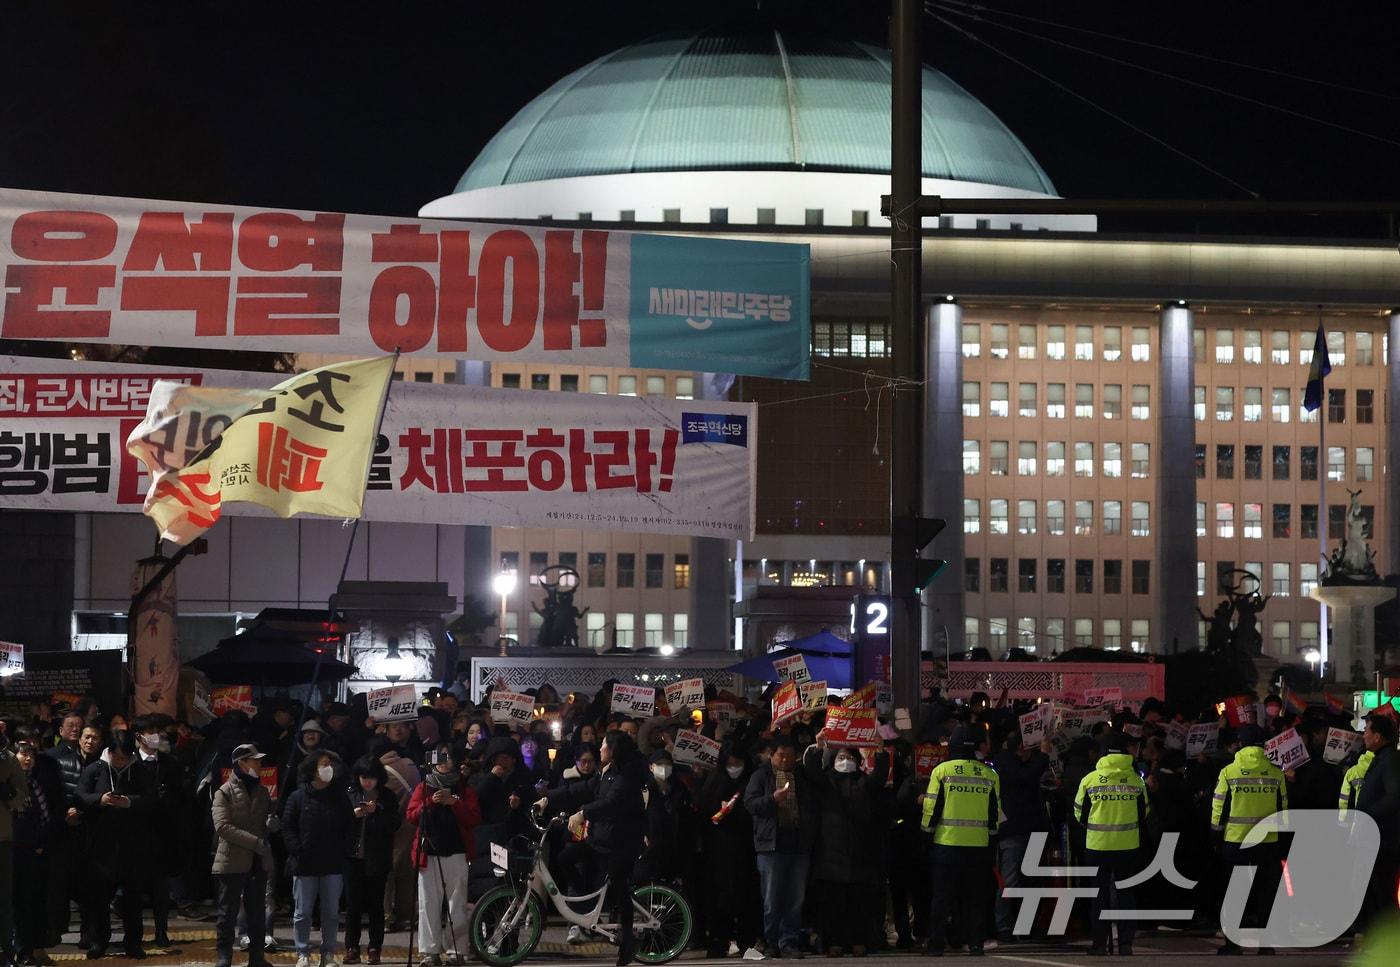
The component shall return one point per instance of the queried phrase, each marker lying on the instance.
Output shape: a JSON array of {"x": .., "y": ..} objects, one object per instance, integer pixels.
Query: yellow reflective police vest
[
  {"x": 1249, "y": 789},
  {"x": 963, "y": 804},
  {"x": 1111, "y": 804},
  {"x": 1351, "y": 782}
]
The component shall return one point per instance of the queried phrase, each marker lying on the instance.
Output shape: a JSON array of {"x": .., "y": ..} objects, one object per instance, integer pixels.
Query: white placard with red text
[
  {"x": 692, "y": 749},
  {"x": 11, "y": 659},
  {"x": 397, "y": 703},
  {"x": 686, "y": 694},
  {"x": 1287, "y": 750},
  {"x": 638, "y": 701},
  {"x": 793, "y": 668},
  {"x": 133, "y": 272},
  {"x": 1035, "y": 725},
  {"x": 1341, "y": 744},
  {"x": 446, "y": 454},
  {"x": 511, "y": 708},
  {"x": 1202, "y": 739},
  {"x": 1095, "y": 697}
]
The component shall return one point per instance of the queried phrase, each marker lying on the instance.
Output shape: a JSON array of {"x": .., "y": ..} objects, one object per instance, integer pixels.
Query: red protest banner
[
  {"x": 787, "y": 703},
  {"x": 927, "y": 757},
  {"x": 1240, "y": 710},
  {"x": 852, "y": 727},
  {"x": 232, "y": 698},
  {"x": 863, "y": 697}
]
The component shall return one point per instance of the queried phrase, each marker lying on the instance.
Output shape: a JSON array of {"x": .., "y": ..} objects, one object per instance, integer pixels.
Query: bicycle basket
[{"x": 522, "y": 852}]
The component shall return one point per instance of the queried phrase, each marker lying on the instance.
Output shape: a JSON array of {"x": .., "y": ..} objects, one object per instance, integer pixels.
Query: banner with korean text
[
  {"x": 445, "y": 454},
  {"x": 93, "y": 269}
]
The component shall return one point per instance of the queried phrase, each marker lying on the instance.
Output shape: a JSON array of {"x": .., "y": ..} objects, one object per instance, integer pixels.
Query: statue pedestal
[{"x": 1353, "y": 625}]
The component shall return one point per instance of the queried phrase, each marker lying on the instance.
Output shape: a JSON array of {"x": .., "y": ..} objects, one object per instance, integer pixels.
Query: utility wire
[
  {"x": 1095, "y": 105},
  {"x": 1257, "y": 102},
  {"x": 1175, "y": 50}
]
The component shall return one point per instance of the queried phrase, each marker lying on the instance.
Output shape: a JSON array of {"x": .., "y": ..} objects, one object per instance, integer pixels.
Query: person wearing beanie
[
  {"x": 1250, "y": 789},
  {"x": 1111, "y": 805},
  {"x": 961, "y": 810}
]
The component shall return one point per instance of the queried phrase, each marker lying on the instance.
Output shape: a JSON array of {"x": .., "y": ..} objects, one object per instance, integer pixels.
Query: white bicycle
[{"x": 509, "y": 919}]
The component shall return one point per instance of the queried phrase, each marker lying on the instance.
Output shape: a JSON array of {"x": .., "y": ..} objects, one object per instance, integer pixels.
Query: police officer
[
  {"x": 1111, "y": 805},
  {"x": 1250, "y": 789},
  {"x": 1351, "y": 782},
  {"x": 962, "y": 809}
]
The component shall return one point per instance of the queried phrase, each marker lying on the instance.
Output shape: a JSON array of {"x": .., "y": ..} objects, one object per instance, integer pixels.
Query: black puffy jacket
[
  {"x": 616, "y": 818},
  {"x": 372, "y": 838},
  {"x": 316, "y": 822},
  {"x": 72, "y": 763}
]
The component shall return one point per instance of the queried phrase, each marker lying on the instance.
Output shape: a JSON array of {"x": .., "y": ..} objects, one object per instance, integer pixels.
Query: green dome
[{"x": 761, "y": 101}]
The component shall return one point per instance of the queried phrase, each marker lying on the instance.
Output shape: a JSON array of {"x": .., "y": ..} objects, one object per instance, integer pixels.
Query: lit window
[
  {"x": 1254, "y": 521},
  {"x": 1365, "y": 463},
  {"x": 1025, "y": 458},
  {"x": 998, "y": 456},
  {"x": 972, "y": 633},
  {"x": 1336, "y": 463},
  {"x": 1054, "y": 458},
  {"x": 997, "y": 519},
  {"x": 597, "y": 384},
  {"x": 1305, "y": 351},
  {"x": 1253, "y": 346},
  {"x": 1278, "y": 347},
  {"x": 1055, "y": 633},
  {"x": 597, "y": 628},
  {"x": 1025, "y": 628},
  {"x": 1281, "y": 574},
  {"x": 1113, "y": 517},
  {"x": 685, "y": 387},
  {"x": 1083, "y": 518},
  {"x": 1224, "y": 345},
  {"x": 1025, "y": 516},
  {"x": 627, "y": 386},
  {"x": 680, "y": 572},
  {"x": 999, "y": 347},
  {"x": 971, "y": 340},
  {"x": 1224, "y": 519},
  {"x": 1141, "y": 350},
  {"x": 654, "y": 627},
  {"x": 1280, "y": 405},
  {"x": 1142, "y": 458},
  {"x": 972, "y": 399},
  {"x": 1026, "y": 400},
  {"x": 1307, "y": 579},
  {"x": 1083, "y": 459},
  {"x": 1084, "y": 632},
  {"x": 1283, "y": 637},
  {"x": 1000, "y": 403},
  {"x": 1200, "y": 578},
  {"x": 1307, "y": 635},
  {"x": 972, "y": 457},
  {"x": 996, "y": 627},
  {"x": 1142, "y": 406},
  {"x": 1141, "y": 515},
  {"x": 1055, "y": 342},
  {"x": 1025, "y": 342},
  {"x": 1084, "y": 401},
  {"x": 1306, "y": 415},
  {"x": 1113, "y": 459},
  {"x": 1253, "y": 404},
  {"x": 1337, "y": 348},
  {"x": 1112, "y": 634},
  {"x": 656, "y": 385},
  {"x": 1141, "y": 635},
  {"x": 1055, "y": 517},
  {"x": 1224, "y": 403},
  {"x": 680, "y": 630},
  {"x": 1365, "y": 356},
  {"x": 624, "y": 626},
  {"x": 1055, "y": 401},
  {"x": 1198, "y": 345},
  {"x": 1200, "y": 518},
  {"x": 972, "y": 516},
  {"x": 1113, "y": 401},
  {"x": 1112, "y": 343},
  {"x": 1083, "y": 342}
]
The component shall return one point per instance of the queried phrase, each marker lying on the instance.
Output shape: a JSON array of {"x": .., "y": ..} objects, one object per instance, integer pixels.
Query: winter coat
[
  {"x": 728, "y": 844},
  {"x": 615, "y": 817},
  {"x": 170, "y": 810},
  {"x": 437, "y": 824},
  {"x": 671, "y": 828},
  {"x": 36, "y": 829},
  {"x": 240, "y": 811},
  {"x": 372, "y": 837},
  {"x": 123, "y": 841},
  {"x": 759, "y": 801},
  {"x": 72, "y": 762},
  {"x": 854, "y": 810},
  {"x": 1379, "y": 797},
  {"x": 316, "y": 823},
  {"x": 1021, "y": 799},
  {"x": 571, "y": 794}
]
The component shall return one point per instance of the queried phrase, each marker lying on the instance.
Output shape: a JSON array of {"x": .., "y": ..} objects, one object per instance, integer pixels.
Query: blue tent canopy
[{"x": 828, "y": 658}]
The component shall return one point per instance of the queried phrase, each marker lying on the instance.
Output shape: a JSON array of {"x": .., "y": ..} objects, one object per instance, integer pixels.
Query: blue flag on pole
[{"x": 1321, "y": 366}]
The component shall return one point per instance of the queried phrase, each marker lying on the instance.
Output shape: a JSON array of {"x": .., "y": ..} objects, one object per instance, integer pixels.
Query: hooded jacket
[
  {"x": 316, "y": 823},
  {"x": 1248, "y": 789},
  {"x": 118, "y": 847}
]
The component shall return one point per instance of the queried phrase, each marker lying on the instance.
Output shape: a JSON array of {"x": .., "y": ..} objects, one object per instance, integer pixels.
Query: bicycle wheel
[
  {"x": 497, "y": 905},
  {"x": 668, "y": 938}
]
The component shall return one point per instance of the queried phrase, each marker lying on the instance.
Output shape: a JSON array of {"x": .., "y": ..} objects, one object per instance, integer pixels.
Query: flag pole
[{"x": 1324, "y": 519}]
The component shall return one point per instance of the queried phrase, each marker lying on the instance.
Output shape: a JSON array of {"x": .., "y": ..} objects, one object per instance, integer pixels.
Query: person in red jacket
[{"x": 446, "y": 812}]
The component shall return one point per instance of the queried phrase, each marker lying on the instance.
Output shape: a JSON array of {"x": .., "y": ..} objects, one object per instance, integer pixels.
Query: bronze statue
[{"x": 559, "y": 617}]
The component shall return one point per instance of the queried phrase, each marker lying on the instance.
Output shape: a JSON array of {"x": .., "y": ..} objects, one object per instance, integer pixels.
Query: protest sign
[
  {"x": 1035, "y": 724},
  {"x": 813, "y": 694},
  {"x": 721, "y": 712},
  {"x": 1202, "y": 739},
  {"x": 511, "y": 707},
  {"x": 787, "y": 703},
  {"x": 1341, "y": 745},
  {"x": 638, "y": 701},
  {"x": 692, "y": 749},
  {"x": 11, "y": 659},
  {"x": 1060, "y": 741},
  {"x": 851, "y": 727},
  {"x": 793, "y": 668},
  {"x": 1132, "y": 730},
  {"x": 397, "y": 703},
  {"x": 926, "y": 757},
  {"x": 1176, "y": 735},
  {"x": 1095, "y": 697},
  {"x": 863, "y": 697},
  {"x": 233, "y": 698},
  {"x": 688, "y": 693},
  {"x": 1241, "y": 710},
  {"x": 1287, "y": 750}
]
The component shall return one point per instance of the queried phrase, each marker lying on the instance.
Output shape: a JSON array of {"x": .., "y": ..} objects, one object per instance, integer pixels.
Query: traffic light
[{"x": 923, "y": 531}]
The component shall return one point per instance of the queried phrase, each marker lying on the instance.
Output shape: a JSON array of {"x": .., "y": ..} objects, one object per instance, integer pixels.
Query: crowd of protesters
[{"x": 788, "y": 845}]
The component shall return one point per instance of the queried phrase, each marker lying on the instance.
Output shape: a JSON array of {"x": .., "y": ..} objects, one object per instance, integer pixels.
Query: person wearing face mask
[
  {"x": 446, "y": 813},
  {"x": 38, "y": 826},
  {"x": 848, "y": 859},
  {"x": 730, "y": 869},
  {"x": 163, "y": 775},
  {"x": 671, "y": 825},
  {"x": 243, "y": 858},
  {"x": 316, "y": 826},
  {"x": 117, "y": 801},
  {"x": 310, "y": 738},
  {"x": 376, "y": 813},
  {"x": 401, "y": 778}
]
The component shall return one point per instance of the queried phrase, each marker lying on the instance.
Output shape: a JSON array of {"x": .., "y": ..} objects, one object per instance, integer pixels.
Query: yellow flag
[{"x": 302, "y": 447}]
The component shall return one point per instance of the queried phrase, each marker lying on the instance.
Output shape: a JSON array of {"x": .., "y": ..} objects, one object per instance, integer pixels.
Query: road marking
[{"x": 1036, "y": 960}]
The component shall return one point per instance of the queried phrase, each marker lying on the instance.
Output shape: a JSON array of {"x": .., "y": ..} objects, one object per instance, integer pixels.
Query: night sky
[{"x": 378, "y": 108}]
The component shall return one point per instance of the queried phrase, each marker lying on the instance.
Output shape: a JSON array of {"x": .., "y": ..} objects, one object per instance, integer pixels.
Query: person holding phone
[
  {"x": 446, "y": 812},
  {"x": 116, "y": 802}
]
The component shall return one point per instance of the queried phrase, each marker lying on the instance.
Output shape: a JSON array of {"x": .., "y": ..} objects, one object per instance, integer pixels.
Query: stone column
[
  {"x": 1388, "y": 553},
  {"x": 710, "y": 577},
  {"x": 1174, "y": 616},
  {"x": 1353, "y": 612},
  {"x": 942, "y": 471}
]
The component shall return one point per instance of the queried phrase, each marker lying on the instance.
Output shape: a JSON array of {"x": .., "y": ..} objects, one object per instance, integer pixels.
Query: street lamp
[
  {"x": 503, "y": 584},
  {"x": 393, "y": 663},
  {"x": 1312, "y": 656}
]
